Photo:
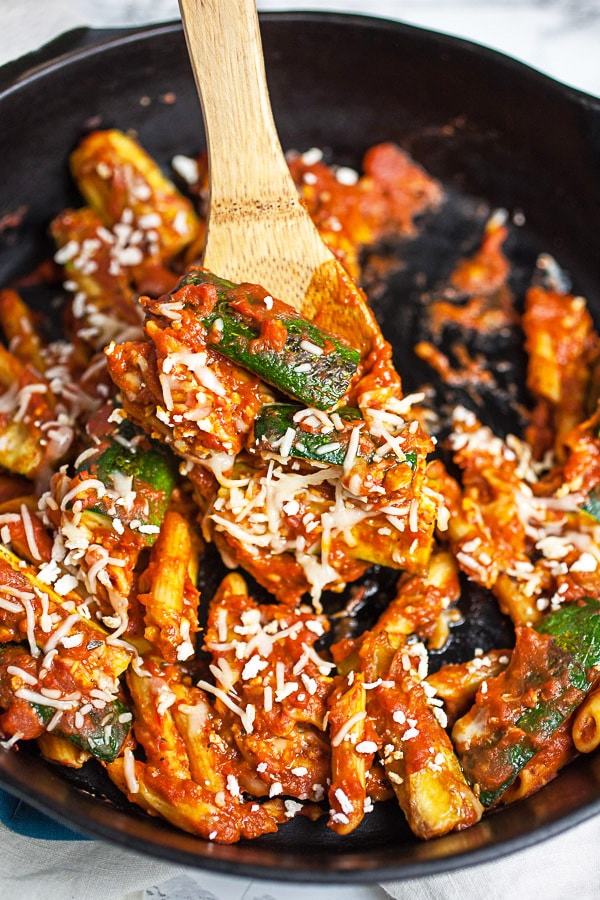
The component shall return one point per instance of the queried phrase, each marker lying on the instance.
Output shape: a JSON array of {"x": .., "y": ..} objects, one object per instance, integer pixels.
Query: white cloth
[
  {"x": 567, "y": 866},
  {"x": 560, "y": 37},
  {"x": 91, "y": 870}
]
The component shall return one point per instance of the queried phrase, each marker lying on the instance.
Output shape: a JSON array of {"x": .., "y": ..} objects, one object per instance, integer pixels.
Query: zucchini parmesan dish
[{"x": 237, "y": 537}]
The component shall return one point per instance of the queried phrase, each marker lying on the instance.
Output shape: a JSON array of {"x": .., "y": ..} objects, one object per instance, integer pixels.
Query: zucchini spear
[
  {"x": 551, "y": 671},
  {"x": 83, "y": 663},
  {"x": 99, "y": 731},
  {"x": 269, "y": 338},
  {"x": 103, "y": 732},
  {"x": 276, "y": 428},
  {"x": 146, "y": 465}
]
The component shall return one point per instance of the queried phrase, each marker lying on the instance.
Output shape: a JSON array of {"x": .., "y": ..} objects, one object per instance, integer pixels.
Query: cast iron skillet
[{"x": 499, "y": 135}]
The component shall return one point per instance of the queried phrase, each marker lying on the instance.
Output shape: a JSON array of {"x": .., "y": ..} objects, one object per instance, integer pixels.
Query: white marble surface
[{"x": 560, "y": 38}]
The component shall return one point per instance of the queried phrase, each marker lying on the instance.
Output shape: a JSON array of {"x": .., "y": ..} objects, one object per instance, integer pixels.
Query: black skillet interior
[{"x": 498, "y": 135}]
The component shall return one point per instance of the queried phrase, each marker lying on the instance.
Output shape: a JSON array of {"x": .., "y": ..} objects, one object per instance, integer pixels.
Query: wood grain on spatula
[{"x": 258, "y": 230}]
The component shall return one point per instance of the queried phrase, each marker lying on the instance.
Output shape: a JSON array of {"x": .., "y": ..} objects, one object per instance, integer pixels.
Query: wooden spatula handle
[
  {"x": 243, "y": 145},
  {"x": 257, "y": 230}
]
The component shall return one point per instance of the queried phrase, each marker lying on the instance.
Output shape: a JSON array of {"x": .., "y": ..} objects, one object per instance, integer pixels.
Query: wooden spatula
[{"x": 258, "y": 229}]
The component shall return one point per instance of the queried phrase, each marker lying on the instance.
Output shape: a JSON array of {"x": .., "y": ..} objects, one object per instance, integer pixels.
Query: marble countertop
[{"x": 560, "y": 38}]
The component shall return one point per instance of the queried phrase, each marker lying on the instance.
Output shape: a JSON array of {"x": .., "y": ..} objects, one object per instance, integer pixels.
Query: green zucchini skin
[
  {"x": 319, "y": 379},
  {"x": 94, "y": 736},
  {"x": 541, "y": 692},
  {"x": 591, "y": 506},
  {"x": 275, "y": 419},
  {"x": 151, "y": 466}
]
